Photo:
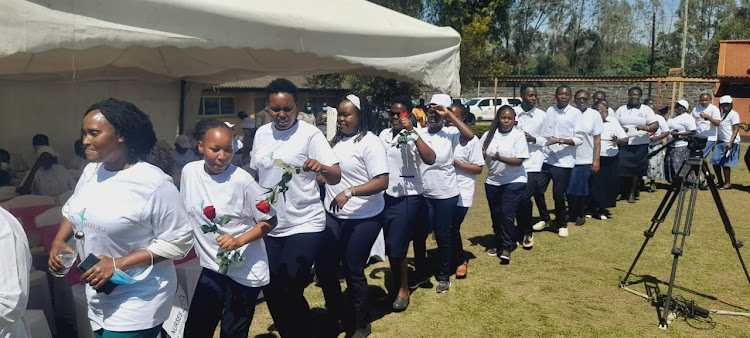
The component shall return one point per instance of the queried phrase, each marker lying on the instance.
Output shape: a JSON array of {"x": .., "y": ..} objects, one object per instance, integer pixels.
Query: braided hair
[
  {"x": 203, "y": 126},
  {"x": 496, "y": 125},
  {"x": 367, "y": 119},
  {"x": 134, "y": 126}
]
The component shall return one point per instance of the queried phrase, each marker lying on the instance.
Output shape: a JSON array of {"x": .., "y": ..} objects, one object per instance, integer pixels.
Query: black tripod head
[{"x": 696, "y": 144}]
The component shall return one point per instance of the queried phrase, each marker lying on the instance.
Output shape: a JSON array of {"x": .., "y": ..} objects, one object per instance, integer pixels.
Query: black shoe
[
  {"x": 400, "y": 304},
  {"x": 362, "y": 332},
  {"x": 703, "y": 186},
  {"x": 418, "y": 280},
  {"x": 505, "y": 257},
  {"x": 580, "y": 221}
]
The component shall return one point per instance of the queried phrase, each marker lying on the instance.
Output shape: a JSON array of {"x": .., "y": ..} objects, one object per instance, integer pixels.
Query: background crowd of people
[{"x": 287, "y": 199}]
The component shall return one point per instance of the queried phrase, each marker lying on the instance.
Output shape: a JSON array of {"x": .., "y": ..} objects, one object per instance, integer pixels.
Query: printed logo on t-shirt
[{"x": 79, "y": 221}]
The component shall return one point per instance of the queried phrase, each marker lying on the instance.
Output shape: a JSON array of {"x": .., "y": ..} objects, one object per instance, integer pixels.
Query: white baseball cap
[
  {"x": 725, "y": 99},
  {"x": 441, "y": 99},
  {"x": 683, "y": 103}
]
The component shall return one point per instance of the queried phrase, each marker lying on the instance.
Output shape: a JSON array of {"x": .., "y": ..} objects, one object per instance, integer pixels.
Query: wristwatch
[{"x": 348, "y": 193}]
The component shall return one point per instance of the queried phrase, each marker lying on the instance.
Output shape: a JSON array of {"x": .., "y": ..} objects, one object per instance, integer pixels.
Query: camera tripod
[{"x": 678, "y": 191}]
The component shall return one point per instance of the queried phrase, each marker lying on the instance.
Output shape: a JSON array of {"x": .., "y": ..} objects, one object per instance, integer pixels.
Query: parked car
[{"x": 484, "y": 107}]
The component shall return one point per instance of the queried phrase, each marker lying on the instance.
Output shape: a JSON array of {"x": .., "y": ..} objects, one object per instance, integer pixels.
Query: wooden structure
[{"x": 733, "y": 73}]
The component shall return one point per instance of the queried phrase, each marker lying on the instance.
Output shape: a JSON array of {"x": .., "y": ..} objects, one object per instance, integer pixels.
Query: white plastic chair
[
  {"x": 7, "y": 192},
  {"x": 50, "y": 217},
  {"x": 28, "y": 201}
]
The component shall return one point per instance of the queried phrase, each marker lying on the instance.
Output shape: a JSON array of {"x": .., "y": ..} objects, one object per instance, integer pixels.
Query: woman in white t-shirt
[
  {"x": 404, "y": 203},
  {"x": 727, "y": 149},
  {"x": 229, "y": 220},
  {"x": 468, "y": 160},
  {"x": 638, "y": 120},
  {"x": 656, "y": 162},
  {"x": 605, "y": 185},
  {"x": 354, "y": 213},
  {"x": 440, "y": 184},
  {"x": 287, "y": 156},
  {"x": 680, "y": 124},
  {"x": 133, "y": 221},
  {"x": 504, "y": 149}
]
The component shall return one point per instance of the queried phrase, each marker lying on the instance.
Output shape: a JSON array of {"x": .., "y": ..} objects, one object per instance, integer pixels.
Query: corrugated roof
[{"x": 578, "y": 78}]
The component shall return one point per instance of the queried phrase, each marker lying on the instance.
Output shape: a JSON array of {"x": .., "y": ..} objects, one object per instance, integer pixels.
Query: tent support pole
[{"x": 181, "y": 125}]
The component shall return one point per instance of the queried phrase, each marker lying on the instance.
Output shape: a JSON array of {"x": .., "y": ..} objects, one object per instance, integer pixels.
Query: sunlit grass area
[{"x": 569, "y": 286}]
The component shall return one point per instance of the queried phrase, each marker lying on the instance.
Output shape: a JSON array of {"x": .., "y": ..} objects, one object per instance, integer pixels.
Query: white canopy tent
[{"x": 59, "y": 56}]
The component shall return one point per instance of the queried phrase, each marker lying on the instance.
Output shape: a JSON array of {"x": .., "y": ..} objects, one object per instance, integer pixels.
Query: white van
[{"x": 484, "y": 107}]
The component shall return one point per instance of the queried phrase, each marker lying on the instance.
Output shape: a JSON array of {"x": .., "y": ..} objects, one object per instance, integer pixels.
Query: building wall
[
  {"x": 617, "y": 92},
  {"x": 57, "y": 109},
  {"x": 253, "y": 100}
]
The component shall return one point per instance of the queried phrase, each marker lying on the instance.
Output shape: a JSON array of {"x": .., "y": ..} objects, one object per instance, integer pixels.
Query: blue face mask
[
  {"x": 309, "y": 109},
  {"x": 325, "y": 109},
  {"x": 133, "y": 275}
]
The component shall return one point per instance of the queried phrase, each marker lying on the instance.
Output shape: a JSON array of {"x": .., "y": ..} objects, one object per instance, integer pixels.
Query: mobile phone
[{"x": 89, "y": 262}]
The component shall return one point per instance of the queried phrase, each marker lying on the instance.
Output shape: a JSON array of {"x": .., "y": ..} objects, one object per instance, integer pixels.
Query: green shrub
[{"x": 479, "y": 129}]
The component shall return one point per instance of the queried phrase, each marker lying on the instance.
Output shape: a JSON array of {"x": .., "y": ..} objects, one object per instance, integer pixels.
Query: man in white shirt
[
  {"x": 14, "y": 279},
  {"x": 47, "y": 177},
  {"x": 558, "y": 130},
  {"x": 530, "y": 119}
]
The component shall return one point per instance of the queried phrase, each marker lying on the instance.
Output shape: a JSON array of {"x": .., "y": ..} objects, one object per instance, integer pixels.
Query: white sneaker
[
  {"x": 562, "y": 232},
  {"x": 539, "y": 226},
  {"x": 528, "y": 241}
]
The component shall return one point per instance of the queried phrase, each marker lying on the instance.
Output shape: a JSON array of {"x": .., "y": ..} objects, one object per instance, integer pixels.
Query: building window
[{"x": 216, "y": 106}]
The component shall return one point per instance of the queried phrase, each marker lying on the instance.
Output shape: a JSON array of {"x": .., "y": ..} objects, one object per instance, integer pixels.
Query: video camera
[{"x": 696, "y": 144}]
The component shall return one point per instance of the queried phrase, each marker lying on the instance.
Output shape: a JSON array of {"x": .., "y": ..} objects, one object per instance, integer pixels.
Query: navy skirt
[{"x": 633, "y": 161}]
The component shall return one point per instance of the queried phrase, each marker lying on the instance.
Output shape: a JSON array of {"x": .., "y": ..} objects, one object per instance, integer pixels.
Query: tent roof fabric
[{"x": 216, "y": 42}]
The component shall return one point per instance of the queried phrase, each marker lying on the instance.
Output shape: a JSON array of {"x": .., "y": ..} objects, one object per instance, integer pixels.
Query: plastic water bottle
[{"x": 69, "y": 253}]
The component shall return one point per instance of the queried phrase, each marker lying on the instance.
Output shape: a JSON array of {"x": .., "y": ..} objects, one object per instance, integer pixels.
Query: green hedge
[{"x": 479, "y": 129}]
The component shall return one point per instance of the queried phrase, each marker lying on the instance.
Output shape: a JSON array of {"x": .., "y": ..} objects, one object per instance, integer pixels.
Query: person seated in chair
[{"x": 47, "y": 177}]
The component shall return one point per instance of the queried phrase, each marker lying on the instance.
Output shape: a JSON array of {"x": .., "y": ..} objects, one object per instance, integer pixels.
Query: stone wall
[{"x": 616, "y": 91}]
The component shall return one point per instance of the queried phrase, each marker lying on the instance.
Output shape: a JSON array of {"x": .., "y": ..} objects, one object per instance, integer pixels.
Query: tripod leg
[
  {"x": 725, "y": 218},
  {"x": 681, "y": 231},
  {"x": 659, "y": 216}
]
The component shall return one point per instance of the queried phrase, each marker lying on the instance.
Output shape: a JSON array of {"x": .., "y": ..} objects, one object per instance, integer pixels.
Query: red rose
[
  {"x": 209, "y": 212},
  {"x": 264, "y": 207}
]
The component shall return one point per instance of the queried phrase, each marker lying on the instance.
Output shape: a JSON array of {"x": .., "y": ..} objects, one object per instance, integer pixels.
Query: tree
[
  {"x": 412, "y": 8},
  {"x": 379, "y": 90},
  {"x": 637, "y": 64},
  {"x": 705, "y": 19}
]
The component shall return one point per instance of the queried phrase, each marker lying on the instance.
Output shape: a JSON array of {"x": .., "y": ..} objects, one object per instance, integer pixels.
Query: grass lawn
[{"x": 569, "y": 286}]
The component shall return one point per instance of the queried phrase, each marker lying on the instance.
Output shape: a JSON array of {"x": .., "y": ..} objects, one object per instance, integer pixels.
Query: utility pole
[
  {"x": 684, "y": 43},
  {"x": 684, "y": 35},
  {"x": 651, "y": 59}
]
